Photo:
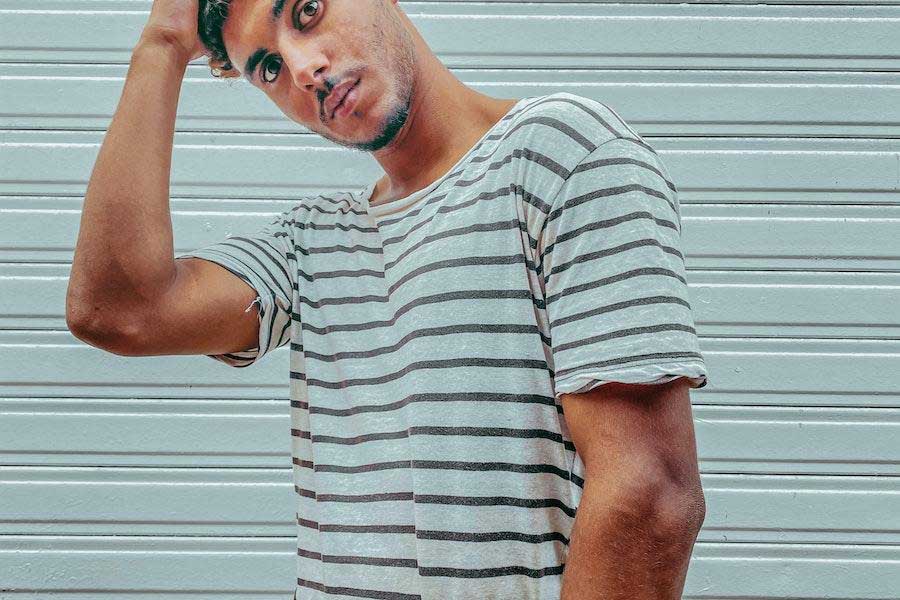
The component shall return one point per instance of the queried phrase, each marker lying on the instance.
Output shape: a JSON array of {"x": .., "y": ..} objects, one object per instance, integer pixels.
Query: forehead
[{"x": 249, "y": 24}]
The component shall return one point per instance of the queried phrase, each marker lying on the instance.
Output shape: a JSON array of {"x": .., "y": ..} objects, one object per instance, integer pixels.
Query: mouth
[{"x": 343, "y": 97}]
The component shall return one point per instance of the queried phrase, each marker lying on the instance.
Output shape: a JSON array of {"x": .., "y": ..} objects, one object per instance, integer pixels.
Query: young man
[{"x": 471, "y": 336}]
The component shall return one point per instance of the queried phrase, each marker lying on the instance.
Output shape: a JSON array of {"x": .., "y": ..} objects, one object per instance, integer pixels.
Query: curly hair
[{"x": 210, "y": 21}]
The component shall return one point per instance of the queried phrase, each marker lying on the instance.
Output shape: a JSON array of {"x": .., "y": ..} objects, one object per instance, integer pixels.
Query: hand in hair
[{"x": 175, "y": 22}]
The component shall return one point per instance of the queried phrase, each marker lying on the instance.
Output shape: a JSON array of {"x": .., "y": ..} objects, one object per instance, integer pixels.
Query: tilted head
[{"x": 298, "y": 51}]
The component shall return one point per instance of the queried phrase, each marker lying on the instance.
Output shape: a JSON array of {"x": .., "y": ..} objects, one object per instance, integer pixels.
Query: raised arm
[{"x": 126, "y": 293}]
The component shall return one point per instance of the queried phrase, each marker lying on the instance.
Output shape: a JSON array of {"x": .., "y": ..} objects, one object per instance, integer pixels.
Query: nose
[{"x": 306, "y": 63}]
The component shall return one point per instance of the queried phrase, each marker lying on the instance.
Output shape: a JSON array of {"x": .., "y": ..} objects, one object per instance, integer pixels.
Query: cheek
[
  {"x": 295, "y": 103},
  {"x": 287, "y": 107}
]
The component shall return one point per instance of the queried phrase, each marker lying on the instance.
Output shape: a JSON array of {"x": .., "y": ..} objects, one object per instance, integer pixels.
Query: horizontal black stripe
[
  {"x": 593, "y": 285},
  {"x": 472, "y": 467},
  {"x": 409, "y": 563},
  {"x": 476, "y": 294},
  {"x": 442, "y": 398},
  {"x": 492, "y": 536},
  {"x": 448, "y": 363},
  {"x": 484, "y": 328},
  {"x": 644, "y": 301},
  {"x": 624, "y": 160},
  {"x": 432, "y": 430},
  {"x": 494, "y": 572},
  {"x": 431, "y": 534},
  {"x": 356, "y": 592},
  {"x": 643, "y": 330},
  {"x": 654, "y": 356},
  {"x": 443, "y": 499},
  {"x": 591, "y": 256}
]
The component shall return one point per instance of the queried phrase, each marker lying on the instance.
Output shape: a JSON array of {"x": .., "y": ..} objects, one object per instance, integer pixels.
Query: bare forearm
[
  {"x": 619, "y": 552},
  {"x": 124, "y": 252}
]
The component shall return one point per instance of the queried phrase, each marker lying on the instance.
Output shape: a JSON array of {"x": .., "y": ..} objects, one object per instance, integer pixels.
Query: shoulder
[
  {"x": 314, "y": 209},
  {"x": 570, "y": 126},
  {"x": 555, "y": 133}
]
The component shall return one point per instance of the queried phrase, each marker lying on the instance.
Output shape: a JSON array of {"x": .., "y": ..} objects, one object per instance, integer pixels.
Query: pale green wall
[{"x": 780, "y": 127}]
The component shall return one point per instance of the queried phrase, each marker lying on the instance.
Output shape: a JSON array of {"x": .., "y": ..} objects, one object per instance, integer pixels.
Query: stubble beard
[{"x": 405, "y": 83}]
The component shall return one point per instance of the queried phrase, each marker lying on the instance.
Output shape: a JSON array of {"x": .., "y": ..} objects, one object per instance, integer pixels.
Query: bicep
[
  {"x": 646, "y": 429},
  {"x": 203, "y": 312}
]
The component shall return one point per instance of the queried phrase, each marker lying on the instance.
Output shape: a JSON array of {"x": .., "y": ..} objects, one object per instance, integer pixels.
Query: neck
[{"x": 446, "y": 118}]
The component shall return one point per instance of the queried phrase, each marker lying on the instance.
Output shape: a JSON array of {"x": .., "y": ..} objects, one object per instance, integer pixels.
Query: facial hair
[{"x": 404, "y": 81}]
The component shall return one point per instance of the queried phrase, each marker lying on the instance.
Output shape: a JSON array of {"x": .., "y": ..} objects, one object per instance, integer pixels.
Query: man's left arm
[
  {"x": 624, "y": 350},
  {"x": 642, "y": 505}
]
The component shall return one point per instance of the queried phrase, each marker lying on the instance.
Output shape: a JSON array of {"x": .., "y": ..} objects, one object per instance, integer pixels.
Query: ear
[{"x": 223, "y": 68}]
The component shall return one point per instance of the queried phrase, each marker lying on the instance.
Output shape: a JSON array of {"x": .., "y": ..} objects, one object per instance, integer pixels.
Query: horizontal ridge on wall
[
  {"x": 735, "y": 304},
  {"x": 262, "y": 568},
  {"x": 144, "y": 431},
  {"x": 683, "y": 102},
  {"x": 526, "y": 35},
  {"x": 812, "y": 171},
  {"x": 250, "y": 502}
]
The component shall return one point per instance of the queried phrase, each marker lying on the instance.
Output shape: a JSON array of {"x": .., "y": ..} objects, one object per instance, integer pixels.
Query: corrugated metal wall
[{"x": 169, "y": 477}]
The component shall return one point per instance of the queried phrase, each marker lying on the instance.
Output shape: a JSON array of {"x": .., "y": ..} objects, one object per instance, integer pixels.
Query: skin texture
[
  {"x": 414, "y": 116},
  {"x": 642, "y": 506}
]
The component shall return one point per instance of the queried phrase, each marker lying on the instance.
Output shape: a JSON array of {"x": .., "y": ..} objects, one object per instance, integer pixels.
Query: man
[{"x": 492, "y": 335}]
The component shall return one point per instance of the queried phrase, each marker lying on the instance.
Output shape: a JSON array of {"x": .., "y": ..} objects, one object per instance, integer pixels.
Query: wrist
[{"x": 163, "y": 46}]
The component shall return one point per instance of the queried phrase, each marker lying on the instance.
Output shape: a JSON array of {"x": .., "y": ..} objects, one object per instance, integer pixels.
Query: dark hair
[{"x": 210, "y": 21}]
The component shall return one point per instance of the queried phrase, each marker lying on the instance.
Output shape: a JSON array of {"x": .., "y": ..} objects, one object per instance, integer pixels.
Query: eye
[
  {"x": 309, "y": 9},
  {"x": 274, "y": 60}
]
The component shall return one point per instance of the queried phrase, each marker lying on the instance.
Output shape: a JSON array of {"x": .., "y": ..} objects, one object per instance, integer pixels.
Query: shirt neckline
[{"x": 392, "y": 206}]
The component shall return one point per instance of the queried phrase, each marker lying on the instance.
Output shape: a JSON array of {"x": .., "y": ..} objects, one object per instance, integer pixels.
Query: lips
[{"x": 336, "y": 95}]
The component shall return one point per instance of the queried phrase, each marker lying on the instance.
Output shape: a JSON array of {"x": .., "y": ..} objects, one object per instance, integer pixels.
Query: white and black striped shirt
[{"x": 431, "y": 337}]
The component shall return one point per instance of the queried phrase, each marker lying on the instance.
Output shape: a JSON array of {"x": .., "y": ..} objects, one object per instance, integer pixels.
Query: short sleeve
[
  {"x": 614, "y": 275},
  {"x": 266, "y": 260}
]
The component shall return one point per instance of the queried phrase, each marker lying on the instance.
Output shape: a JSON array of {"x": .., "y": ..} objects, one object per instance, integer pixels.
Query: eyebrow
[{"x": 259, "y": 53}]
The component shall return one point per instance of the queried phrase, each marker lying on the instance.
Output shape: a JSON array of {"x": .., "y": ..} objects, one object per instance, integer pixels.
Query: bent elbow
[
  {"x": 682, "y": 512},
  {"x": 87, "y": 322}
]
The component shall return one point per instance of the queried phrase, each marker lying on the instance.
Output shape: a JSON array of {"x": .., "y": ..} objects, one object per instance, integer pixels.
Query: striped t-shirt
[{"x": 431, "y": 338}]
